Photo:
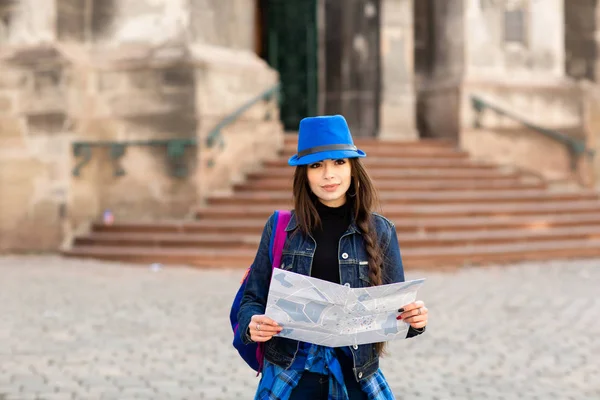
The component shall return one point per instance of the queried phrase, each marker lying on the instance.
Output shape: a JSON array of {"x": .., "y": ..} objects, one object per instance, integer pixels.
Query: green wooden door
[{"x": 292, "y": 50}]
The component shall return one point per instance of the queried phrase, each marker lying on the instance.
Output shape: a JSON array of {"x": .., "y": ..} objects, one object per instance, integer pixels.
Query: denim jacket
[{"x": 297, "y": 256}]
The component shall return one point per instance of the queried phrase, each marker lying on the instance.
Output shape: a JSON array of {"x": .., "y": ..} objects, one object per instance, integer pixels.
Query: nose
[{"x": 327, "y": 172}]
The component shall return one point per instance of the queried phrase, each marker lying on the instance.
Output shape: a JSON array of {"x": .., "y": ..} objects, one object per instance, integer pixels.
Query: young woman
[{"x": 334, "y": 235}]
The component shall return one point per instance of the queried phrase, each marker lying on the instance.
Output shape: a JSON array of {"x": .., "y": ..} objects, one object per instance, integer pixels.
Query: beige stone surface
[
  {"x": 27, "y": 220},
  {"x": 553, "y": 104},
  {"x": 12, "y": 78},
  {"x": 6, "y": 104},
  {"x": 520, "y": 148},
  {"x": 10, "y": 127},
  {"x": 592, "y": 131}
]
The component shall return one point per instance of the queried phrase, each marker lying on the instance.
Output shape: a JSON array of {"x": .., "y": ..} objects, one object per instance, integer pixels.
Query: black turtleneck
[{"x": 334, "y": 222}]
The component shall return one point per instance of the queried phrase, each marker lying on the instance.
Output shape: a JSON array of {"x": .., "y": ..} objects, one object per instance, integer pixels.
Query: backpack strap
[
  {"x": 275, "y": 250},
  {"x": 283, "y": 218}
]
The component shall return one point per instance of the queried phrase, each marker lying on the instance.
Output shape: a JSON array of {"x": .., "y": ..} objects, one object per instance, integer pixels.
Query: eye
[
  {"x": 315, "y": 165},
  {"x": 341, "y": 161}
]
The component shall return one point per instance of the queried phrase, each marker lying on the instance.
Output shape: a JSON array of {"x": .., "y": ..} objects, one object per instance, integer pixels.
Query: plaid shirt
[{"x": 278, "y": 383}]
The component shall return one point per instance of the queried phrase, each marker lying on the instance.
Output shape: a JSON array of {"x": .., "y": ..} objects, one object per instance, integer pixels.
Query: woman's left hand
[{"x": 415, "y": 314}]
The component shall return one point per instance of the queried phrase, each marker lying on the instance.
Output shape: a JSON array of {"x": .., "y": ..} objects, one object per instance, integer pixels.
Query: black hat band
[{"x": 329, "y": 147}]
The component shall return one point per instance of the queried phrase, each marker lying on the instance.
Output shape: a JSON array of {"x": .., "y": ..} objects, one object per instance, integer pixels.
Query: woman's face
[{"x": 329, "y": 180}]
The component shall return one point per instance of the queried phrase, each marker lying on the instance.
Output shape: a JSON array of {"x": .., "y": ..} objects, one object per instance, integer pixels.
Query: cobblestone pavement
[{"x": 73, "y": 329}]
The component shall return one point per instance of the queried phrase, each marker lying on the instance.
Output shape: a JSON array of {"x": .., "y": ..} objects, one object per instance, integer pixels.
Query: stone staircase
[{"x": 448, "y": 210}]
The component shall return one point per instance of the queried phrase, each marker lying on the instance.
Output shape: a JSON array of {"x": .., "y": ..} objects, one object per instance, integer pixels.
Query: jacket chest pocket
[
  {"x": 296, "y": 262},
  {"x": 363, "y": 274},
  {"x": 287, "y": 261}
]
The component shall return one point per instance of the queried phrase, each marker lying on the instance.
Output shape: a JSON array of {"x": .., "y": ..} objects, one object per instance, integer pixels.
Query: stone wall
[
  {"x": 123, "y": 71},
  {"x": 34, "y": 148},
  {"x": 27, "y": 22},
  {"x": 147, "y": 95},
  {"x": 591, "y": 129},
  {"x": 521, "y": 38}
]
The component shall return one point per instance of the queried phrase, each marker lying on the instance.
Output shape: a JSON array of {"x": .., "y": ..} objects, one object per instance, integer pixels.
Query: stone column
[
  {"x": 514, "y": 40},
  {"x": 397, "y": 71}
]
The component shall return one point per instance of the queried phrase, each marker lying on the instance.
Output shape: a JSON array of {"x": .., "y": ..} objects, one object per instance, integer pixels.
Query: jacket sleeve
[
  {"x": 393, "y": 269},
  {"x": 254, "y": 300}
]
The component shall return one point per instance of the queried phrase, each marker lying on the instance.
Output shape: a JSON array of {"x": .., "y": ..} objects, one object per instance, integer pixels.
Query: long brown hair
[{"x": 364, "y": 199}]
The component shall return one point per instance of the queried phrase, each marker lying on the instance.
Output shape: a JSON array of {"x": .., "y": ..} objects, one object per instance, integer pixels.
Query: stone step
[
  {"x": 405, "y": 163},
  {"x": 407, "y": 240},
  {"x": 284, "y": 197},
  {"x": 405, "y": 185},
  {"x": 384, "y": 150},
  {"x": 180, "y": 240},
  {"x": 292, "y": 140},
  {"x": 405, "y": 225},
  {"x": 400, "y": 174},
  {"x": 431, "y": 257},
  {"x": 399, "y": 212},
  {"x": 474, "y": 255}
]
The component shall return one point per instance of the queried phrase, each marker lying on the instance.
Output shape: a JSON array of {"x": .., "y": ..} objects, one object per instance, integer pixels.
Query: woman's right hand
[{"x": 263, "y": 328}]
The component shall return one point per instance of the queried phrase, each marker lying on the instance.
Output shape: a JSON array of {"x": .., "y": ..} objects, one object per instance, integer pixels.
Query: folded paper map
[{"x": 315, "y": 311}]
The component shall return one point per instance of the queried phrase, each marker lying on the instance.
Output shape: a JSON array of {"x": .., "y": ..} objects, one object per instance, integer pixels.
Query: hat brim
[{"x": 325, "y": 155}]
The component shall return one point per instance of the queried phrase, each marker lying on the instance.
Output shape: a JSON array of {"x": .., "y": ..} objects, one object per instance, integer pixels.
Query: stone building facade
[{"x": 117, "y": 71}]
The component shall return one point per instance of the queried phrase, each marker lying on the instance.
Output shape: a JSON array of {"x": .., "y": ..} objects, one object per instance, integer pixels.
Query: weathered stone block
[
  {"x": 27, "y": 219},
  {"x": 48, "y": 79},
  {"x": 46, "y": 124},
  {"x": 143, "y": 79},
  {"x": 12, "y": 78},
  {"x": 109, "y": 81},
  {"x": 178, "y": 77},
  {"x": 11, "y": 128},
  {"x": 6, "y": 104},
  {"x": 99, "y": 129}
]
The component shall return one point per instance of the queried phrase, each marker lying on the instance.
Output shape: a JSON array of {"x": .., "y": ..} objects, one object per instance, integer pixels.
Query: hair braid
[
  {"x": 375, "y": 262},
  {"x": 372, "y": 247}
]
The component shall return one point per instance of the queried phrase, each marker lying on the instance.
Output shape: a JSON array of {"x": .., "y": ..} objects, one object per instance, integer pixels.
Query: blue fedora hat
[{"x": 324, "y": 138}]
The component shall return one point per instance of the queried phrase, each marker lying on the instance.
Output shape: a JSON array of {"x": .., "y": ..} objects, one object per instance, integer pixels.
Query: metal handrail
[
  {"x": 175, "y": 147},
  {"x": 175, "y": 153},
  {"x": 577, "y": 147},
  {"x": 215, "y": 134}
]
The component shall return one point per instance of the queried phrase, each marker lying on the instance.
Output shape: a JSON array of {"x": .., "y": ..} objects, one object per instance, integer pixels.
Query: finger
[
  {"x": 263, "y": 319},
  {"x": 414, "y": 305},
  {"x": 260, "y": 327},
  {"x": 417, "y": 318},
  {"x": 413, "y": 312}
]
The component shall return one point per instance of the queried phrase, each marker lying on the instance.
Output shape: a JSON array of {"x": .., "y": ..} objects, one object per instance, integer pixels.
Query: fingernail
[
  {"x": 401, "y": 310},
  {"x": 399, "y": 317}
]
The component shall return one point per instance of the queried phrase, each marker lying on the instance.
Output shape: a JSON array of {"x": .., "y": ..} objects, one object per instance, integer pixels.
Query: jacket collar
[{"x": 293, "y": 224}]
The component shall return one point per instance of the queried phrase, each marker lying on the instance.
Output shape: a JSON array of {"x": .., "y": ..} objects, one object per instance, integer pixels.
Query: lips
[{"x": 330, "y": 188}]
